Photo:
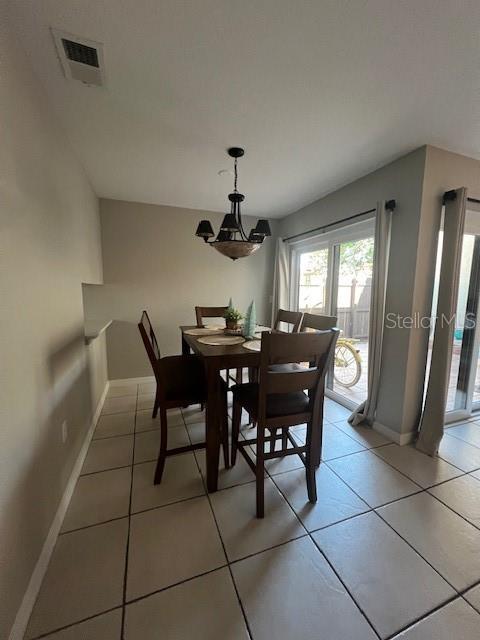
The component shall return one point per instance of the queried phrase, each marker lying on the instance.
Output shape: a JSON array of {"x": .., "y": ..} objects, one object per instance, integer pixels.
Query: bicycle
[{"x": 347, "y": 368}]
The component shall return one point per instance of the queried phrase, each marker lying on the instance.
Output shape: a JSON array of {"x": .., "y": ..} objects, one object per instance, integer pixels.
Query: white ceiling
[{"x": 319, "y": 92}]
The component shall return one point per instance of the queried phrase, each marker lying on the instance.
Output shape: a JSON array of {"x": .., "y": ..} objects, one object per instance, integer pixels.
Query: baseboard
[
  {"x": 143, "y": 380},
  {"x": 23, "y": 614},
  {"x": 399, "y": 438}
]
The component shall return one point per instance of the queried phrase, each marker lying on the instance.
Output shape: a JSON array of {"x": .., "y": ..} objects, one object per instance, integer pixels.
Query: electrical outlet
[{"x": 64, "y": 431}]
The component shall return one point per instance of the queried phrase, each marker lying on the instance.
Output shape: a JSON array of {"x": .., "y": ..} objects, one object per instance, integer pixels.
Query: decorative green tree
[{"x": 250, "y": 323}]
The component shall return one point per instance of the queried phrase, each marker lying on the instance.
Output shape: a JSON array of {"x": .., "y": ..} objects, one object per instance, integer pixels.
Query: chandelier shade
[{"x": 232, "y": 241}]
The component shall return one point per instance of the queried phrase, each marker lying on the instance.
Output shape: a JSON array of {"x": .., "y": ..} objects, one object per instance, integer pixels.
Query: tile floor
[{"x": 390, "y": 550}]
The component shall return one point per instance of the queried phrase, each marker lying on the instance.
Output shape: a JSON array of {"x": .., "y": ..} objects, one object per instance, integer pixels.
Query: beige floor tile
[
  {"x": 372, "y": 479},
  {"x": 336, "y": 443},
  {"x": 181, "y": 479},
  {"x": 99, "y": 497},
  {"x": 147, "y": 387},
  {"x": 444, "y": 539},
  {"x": 115, "y": 424},
  {"x": 145, "y": 422},
  {"x": 108, "y": 453},
  {"x": 193, "y": 414},
  {"x": 475, "y": 474},
  {"x": 106, "y": 626},
  {"x": 212, "y": 605},
  {"x": 364, "y": 435},
  {"x": 122, "y": 390},
  {"x": 145, "y": 401},
  {"x": 290, "y": 592},
  {"x": 196, "y": 432},
  {"x": 459, "y": 453},
  {"x": 123, "y": 404},
  {"x": 390, "y": 582},
  {"x": 147, "y": 443},
  {"x": 473, "y": 597},
  {"x": 335, "y": 412},
  {"x": 335, "y": 501},
  {"x": 172, "y": 544},
  {"x": 422, "y": 469},
  {"x": 462, "y": 495},
  {"x": 84, "y": 577},
  {"x": 454, "y": 621},
  {"x": 242, "y": 533},
  {"x": 240, "y": 473},
  {"x": 468, "y": 432}
]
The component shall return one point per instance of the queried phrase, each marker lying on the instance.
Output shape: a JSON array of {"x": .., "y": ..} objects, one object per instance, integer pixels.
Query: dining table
[{"x": 216, "y": 358}]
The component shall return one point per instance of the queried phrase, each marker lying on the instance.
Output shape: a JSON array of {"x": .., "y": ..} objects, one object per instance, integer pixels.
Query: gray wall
[
  {"x": 403, "y": 181},
  {"x": 152, "y": 260},
  {"x": 50, "y": 243}
]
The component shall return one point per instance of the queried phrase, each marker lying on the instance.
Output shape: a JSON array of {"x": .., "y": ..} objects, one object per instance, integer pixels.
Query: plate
[
  {"x": 222, "y": 341},
  {"x": 253, "y": 345},
  {"x": 203, "y": 331}
]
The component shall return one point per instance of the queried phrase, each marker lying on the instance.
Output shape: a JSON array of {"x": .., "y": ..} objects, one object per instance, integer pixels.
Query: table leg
[
  {"x": 212, "y": 425},
  {"x": 185, "y": 346}
]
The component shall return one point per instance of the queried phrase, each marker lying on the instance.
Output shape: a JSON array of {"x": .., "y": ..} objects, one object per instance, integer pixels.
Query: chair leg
[
  {"x": 310, "y": 463},
  {"x": 260, "y": 472},
  {"x": 239, "y": 376},
  {"x": 285, "y": 439},
  {"x": 162, "y": 454},
  {"x": 226, "y": 457},
  {"x": 156, "y": 405},
  {"x": 236, "y": 417}
]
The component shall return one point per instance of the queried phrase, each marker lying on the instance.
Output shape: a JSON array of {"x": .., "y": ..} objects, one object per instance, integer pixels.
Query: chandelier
[{"x": 232, "y": 241}]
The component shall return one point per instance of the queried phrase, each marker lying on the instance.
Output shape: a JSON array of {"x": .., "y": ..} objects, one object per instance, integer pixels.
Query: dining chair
[
  {"x": 314, "y": 322},
  {"x": 208, "y": 312},
  {"x": 216, "y": 312},
  {"x": 180, "y": 382},
  {"x": 292, "y": 318},
  {"x": 278, "y": 401}
]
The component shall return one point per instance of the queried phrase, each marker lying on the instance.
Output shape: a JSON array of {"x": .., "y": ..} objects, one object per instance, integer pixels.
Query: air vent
[
  {"x": 80, "y": 53},
  {"x": 81, "y": 59}
]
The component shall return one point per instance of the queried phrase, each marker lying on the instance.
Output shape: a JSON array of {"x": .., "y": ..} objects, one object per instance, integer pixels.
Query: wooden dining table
[{"x": 215, "y": 359}]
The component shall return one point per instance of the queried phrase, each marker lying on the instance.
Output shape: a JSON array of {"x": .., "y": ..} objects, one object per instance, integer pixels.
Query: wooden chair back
[
  {"x": 208, "y": 312},
  {"x": 292, "y": 318},
  {"x": 149, "y": 340},
  {"x": 314, "y": 322},
  {"x": 282, "y": 348}
]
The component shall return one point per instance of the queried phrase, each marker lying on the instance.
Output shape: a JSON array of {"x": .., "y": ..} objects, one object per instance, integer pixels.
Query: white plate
[
  {"x": 253, "y": 345},
  {"x": 222, "y": 341},
  {"x": 203, "y": 331}
]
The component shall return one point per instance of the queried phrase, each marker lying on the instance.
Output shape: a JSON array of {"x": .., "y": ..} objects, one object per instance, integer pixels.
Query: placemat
[
  {"x": 253, "y": 345},
  {"x": 203, "y": 331},
  {"x": 222, "y": 341}
]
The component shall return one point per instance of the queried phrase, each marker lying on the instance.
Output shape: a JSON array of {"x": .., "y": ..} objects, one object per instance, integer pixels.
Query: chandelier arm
[{"x": 240, "y": 224}]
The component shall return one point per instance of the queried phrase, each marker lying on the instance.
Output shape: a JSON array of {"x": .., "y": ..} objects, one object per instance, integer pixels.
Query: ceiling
[{"x": 318, "y": 92}]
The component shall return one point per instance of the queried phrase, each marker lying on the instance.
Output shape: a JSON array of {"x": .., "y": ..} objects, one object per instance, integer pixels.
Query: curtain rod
[
  {"x": 391, "y": 204},
  {"x": 451, "y": 195}
]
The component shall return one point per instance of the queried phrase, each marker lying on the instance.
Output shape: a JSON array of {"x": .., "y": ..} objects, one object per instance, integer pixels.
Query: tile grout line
[
  {"x": 127, "y": 549},
  {"x": 240, "y": 603}
]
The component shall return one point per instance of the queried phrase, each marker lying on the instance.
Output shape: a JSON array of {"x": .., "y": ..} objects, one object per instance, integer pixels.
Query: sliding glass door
[
  {"x": 333, "y": 276},
  {"x": 463, "y": 397}
]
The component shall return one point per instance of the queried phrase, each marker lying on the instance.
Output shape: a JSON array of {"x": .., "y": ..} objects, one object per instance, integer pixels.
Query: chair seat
[
  {"x": 183, "y": 378},
  {"x": 278, "y": 404}
]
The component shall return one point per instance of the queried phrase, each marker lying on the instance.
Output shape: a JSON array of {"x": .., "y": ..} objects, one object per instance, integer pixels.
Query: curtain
[
  {"x": 281, "y": 279},
  {"x": 433, "y": 417},
  {"x": 365, "y": 413}
]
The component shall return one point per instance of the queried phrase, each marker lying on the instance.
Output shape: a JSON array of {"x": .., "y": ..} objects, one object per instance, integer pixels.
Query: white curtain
[
  {"x": 281, "y": 279},
  {"x": 433, "y": 417},
  {"x": 365, "y": 413}
]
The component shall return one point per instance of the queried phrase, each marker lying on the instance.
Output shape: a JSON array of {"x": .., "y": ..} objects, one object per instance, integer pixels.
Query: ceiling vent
[{"x": 81, "y": 59}]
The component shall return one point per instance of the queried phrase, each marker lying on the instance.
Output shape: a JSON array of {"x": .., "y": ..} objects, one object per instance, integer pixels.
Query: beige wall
[
  {"x": 50, "y": 243},
  {"x": 153, "y": 261},
  {"x": 443, "y": 171},
  {"x": 403, "y": 181}
]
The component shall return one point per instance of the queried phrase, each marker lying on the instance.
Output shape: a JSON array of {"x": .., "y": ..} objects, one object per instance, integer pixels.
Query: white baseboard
[
  {"x": 23, "y": 614},
  {"x": 399, "y": 438},
  {"x": 121, "y": 381}
]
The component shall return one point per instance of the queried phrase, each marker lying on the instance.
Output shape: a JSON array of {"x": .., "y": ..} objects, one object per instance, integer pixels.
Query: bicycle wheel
[{"x": 347, "y": 368}]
